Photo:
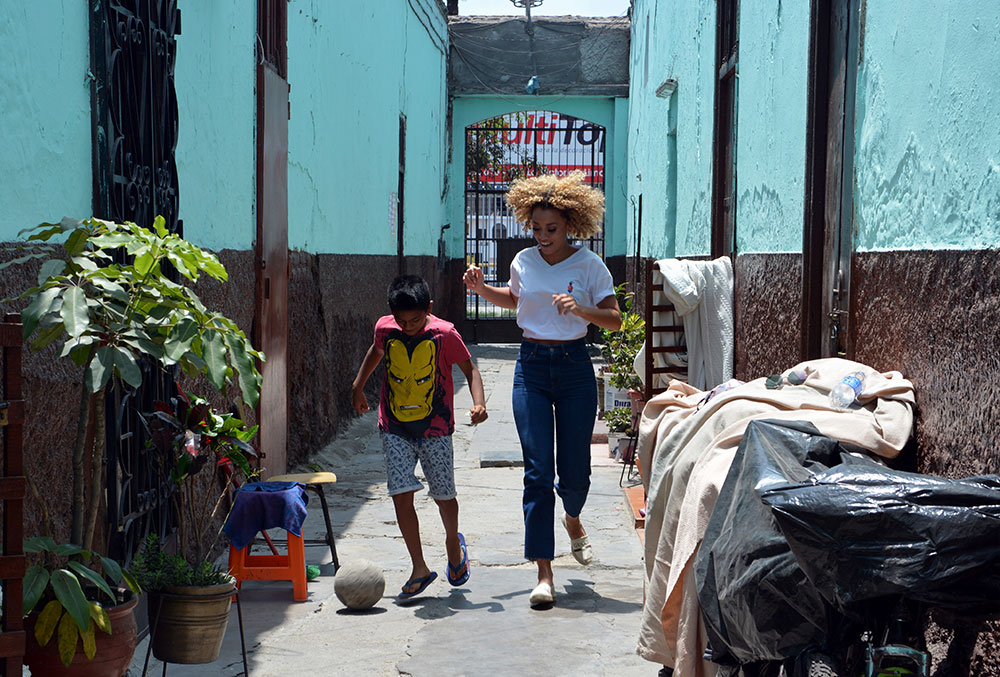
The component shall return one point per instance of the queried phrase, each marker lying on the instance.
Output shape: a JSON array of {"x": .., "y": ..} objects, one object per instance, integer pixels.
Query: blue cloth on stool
[{"x": 266, "y": 505}]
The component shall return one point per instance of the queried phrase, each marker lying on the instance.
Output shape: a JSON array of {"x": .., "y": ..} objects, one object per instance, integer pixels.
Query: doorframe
[
  {"x": 477, "y": 328},
  {"x": 827, "y": 247},
  {"x": 400, "y": 197},
  {"x": 271, "y": 298},
  {"x": 724, "y": 134}
]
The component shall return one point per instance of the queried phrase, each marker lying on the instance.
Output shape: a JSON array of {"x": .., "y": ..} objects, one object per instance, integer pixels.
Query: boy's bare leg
[
  {"x": 409, "y": 527},
  {"x": 449, "y": 517}
]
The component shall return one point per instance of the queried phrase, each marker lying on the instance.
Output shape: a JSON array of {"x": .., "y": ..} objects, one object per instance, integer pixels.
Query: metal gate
[
  {"x": 133, "y": 50},
  {"x": 497, "y": 152}
]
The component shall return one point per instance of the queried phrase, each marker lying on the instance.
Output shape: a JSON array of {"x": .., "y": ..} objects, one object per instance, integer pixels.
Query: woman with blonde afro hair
[
  {"x": 558, "y": 290},
  {"x": 581, "y": 205}
]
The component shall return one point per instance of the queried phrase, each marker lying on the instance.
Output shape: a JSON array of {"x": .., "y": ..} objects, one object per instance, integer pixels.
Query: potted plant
[
  {"x": 189, "y": 596},
  {"x": 105, "y": 299},
  {"x": 188, "y": 605},
  {"x": 94, "y": 634},
  {"x": 620, "y": 432},
  {"x": 620, "y": 349}
]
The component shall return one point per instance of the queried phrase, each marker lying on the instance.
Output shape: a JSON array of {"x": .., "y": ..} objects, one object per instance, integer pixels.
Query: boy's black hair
[{"x": 409, "y": 292}]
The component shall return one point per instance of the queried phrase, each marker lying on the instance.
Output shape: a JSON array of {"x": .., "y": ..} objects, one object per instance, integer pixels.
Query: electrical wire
[
  {"x": 484, "y": 43},
  {"x": 438, "y": 41}
]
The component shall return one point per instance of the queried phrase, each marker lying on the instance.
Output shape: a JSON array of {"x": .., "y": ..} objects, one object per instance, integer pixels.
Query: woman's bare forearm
[
  {"x": 498, "y": 296},
  {"x": 605, "y": 318}
]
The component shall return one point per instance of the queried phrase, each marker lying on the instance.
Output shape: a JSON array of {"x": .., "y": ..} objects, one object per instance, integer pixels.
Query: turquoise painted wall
[
  {"x": 771, "y": 126},
  {"x": 216, "y": 150},
  {"x": 46, "y": 163},
  {"x": 353, "y": 68},
  {"x": 670, "y": 139},
  {"x": 609, "y": 113},
  {"x": 928, "y": 144}
]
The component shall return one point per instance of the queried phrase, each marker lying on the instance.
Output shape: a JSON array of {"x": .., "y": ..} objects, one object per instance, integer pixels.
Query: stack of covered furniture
[{"x": 687, "y": 440}]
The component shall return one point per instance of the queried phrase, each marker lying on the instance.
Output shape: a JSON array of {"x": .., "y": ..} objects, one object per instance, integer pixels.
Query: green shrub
[
  {"x": 621, "y": 347},
  {"x": 619, "y": 420},
  {"x": 156, "y": 569}
]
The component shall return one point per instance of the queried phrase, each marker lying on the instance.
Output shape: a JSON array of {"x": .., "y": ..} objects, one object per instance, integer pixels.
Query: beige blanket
[{"x": 694, "y": 446}]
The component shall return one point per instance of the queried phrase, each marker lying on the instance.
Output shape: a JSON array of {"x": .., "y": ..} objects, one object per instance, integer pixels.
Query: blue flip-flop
[
  {"x": 423, "y": 582},
  {"x": 465, "y": 561}
]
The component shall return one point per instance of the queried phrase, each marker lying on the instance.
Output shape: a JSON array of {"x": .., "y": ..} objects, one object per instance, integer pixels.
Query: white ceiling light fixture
[{"x": 666, "y": 88}]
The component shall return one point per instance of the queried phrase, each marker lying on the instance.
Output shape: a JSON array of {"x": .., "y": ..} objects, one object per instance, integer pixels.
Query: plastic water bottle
[{"x": 844, "y": 393}]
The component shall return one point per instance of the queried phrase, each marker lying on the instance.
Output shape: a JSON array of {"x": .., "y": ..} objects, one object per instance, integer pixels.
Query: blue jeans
[{"x": 557, "y": 380}]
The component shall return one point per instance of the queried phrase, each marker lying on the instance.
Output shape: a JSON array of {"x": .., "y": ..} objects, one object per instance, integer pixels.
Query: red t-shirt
[{"x": 417, "y": 392}]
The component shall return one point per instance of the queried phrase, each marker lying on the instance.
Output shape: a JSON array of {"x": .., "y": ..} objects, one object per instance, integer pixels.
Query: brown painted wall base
[
  {"x": 51, "y": 390},
  {"x": 334, "y": 301},
  {"x": 767, "y": 315},
  {"x": 933, "y": 316}
]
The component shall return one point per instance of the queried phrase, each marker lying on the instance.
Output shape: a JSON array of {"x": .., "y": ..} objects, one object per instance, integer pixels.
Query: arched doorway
[{"x": 498, "y": 151}]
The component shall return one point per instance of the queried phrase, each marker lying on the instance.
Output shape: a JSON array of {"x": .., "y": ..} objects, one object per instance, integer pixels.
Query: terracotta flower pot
[
  {"x": 114, "y": 651},
  {"x": 637, "y": 400}
]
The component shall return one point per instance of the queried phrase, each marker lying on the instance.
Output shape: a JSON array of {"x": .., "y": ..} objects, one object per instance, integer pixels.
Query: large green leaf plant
[
  {"x": 105, "y": 300},
  {"x": 58, "y": 583}
]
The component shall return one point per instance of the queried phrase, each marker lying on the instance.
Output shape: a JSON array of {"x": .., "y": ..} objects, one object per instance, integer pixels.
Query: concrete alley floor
[{"x": 484, "y": 627}]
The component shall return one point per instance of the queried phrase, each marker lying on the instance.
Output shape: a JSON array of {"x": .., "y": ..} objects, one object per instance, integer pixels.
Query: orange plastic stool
[{"x": 290, "y": 567}]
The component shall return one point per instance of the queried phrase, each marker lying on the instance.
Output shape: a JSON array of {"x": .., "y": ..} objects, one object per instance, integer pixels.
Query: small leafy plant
[
  {"x": 621, "y": 347},
  {"x": 103, "y": 292},
  {"x": 619, "y": 420},
  {"x": 155, "y": 569},
  {"x": 62, "y": 584}
]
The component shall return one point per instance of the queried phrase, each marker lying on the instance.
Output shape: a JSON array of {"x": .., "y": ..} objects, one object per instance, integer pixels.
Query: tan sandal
[{"x": 582, "y": 551}]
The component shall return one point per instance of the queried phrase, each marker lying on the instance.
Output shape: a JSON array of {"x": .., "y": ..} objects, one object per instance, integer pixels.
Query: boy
[{"x": 416, "y": 420}]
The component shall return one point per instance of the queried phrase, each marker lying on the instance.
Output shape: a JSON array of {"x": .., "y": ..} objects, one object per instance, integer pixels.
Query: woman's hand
[
  {"x": 565, "y": 304},
  {"x": 474, "y": 279},
  {"x": 605, "y": 314}
]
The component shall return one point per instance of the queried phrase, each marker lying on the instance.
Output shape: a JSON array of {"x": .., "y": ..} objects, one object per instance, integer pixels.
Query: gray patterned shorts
[{"x": 437, "y": 461}]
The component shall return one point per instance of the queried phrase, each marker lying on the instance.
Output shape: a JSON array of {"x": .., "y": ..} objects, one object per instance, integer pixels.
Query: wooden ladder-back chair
[
  {"x": 651, "y": 368},
  {"x": 652, "y": 328}
]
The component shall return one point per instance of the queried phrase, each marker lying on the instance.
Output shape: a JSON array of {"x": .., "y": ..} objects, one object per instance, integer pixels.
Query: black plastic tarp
[
  {"x": 755, "y": 599},
  {"x": 804, "y": 531},
  {"x": 865, "y": 531}
]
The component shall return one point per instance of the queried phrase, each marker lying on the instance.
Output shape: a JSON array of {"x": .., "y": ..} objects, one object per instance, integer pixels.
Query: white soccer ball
[{"x": 359, "y": 584}]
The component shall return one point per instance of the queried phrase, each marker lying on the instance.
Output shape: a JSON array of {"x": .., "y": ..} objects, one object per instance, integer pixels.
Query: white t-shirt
[{"x": 533, "y": 281}]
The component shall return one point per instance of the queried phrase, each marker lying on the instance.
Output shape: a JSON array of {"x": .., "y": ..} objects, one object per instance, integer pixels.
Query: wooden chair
[
  {"x": 651, "y": 369},
  {"x": 636, "y": 495}
]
